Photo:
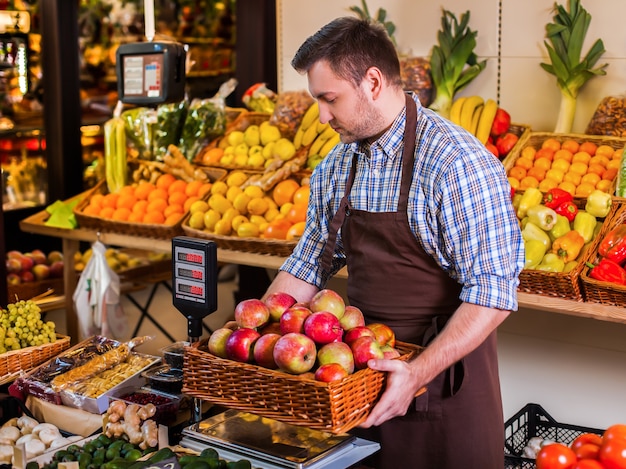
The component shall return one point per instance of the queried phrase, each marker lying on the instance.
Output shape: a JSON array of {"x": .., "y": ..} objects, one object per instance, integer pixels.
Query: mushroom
[
  {"x": 34, "y": 447},
  {"x": 6, "y": 454},
  {"x": 48, "y": 435},
  {"x": 10, "y": 433},
  {"x": 26, "y": 424},
  {"x": 59, "y": 442}
]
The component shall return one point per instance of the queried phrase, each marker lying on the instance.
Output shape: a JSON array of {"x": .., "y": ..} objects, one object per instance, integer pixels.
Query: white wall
[
  {"x": 574, "y": 367},
  {"x": 528, "y": 92}
]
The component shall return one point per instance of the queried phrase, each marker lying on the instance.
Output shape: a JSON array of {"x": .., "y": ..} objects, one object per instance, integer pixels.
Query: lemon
[
  {"x": 196, "y": 220},
  {"x": 284, "y": 208},
  {"x": 236, "y": 178},
  {"x": 233, "y": 192},
  {"x": 223, "y": 227},
  {"x": 255, "y": 192},
  {"x": 248, "y": 230},
  {"x": 238, "y": 221},
  {"x": 198, "y": 206},
  {"x": 219, "y": 187},
  {"x": 241, "y": 202},
  {"x": 257, "y": 219},
  {"x": 271, "y": 202},
  {"x": 220, "y": 203},
  {"x": 271, "y": 213},
  {"x": 257, "y": 206},
  {"x": 230, "y": 214},
  {"x": 211, "y": 217}
]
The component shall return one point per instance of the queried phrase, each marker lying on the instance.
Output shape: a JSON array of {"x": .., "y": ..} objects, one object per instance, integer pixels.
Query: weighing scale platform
[{"x": 270, "y": 444}]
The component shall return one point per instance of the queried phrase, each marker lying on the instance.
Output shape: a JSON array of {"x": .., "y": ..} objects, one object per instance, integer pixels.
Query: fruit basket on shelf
[
  {"x": 596, "y": 291},
  {"x": 335, "y": 407},
  {"x": 16, "y": 362}
]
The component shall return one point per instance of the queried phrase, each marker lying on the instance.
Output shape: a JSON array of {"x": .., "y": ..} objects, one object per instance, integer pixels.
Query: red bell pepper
[
  {"x": 555, "y": 197},
  {"x": 568, "y": 209},
  {"x": 608, "y": 271},
  {"x": 613, "y": 245}
]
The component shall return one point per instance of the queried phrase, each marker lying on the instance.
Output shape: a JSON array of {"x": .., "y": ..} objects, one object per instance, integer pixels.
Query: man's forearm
[{"x": 299, "y": 289}]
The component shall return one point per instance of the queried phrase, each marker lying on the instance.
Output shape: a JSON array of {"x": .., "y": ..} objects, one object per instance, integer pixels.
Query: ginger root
[{"x": 132, "y": 422}]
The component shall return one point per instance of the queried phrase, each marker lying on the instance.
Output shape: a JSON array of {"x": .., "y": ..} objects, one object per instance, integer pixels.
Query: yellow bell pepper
[{"x": 568, "y": 246}]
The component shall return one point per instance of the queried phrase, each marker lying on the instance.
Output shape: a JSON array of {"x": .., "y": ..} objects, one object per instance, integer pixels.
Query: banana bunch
[
  {"x": 321, "y": 137},
  {"x": 475, "y": 115},
  {"x": 115, "y": 154}
]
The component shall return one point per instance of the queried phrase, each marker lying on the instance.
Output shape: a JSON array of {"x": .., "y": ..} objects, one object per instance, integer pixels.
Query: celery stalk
[
  {"x": 453, "y": 62},
  {"x": 564, "y": 43}
]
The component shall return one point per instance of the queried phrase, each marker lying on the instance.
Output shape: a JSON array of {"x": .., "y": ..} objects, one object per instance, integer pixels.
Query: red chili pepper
[
  {"x": 555, "y": 197},
  {"x": 568, "y": 209},
  {"x": 608, "y": 271},
  {"x": 613, "y": 245}
]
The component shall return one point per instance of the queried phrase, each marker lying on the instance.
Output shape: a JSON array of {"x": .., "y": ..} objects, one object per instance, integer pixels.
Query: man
[{"x": 420, "y": 213}]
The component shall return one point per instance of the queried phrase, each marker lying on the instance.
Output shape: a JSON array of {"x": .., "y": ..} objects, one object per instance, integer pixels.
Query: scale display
[{"x": 194, "y": 276}]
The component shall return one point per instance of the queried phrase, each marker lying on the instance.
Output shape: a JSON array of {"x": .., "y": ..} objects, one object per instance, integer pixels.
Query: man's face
[{"x": 349, "y": 110}]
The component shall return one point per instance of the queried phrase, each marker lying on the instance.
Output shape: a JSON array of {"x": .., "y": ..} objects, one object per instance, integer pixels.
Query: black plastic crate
[{"x": 533, "y": 421}]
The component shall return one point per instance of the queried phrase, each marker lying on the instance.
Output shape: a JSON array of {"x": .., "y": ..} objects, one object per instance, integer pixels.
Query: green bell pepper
[
  {"x": 551, "y": 262},
  {"x": 585, "y": 224},
  {"x": 561, "y": 227},
  {"x": 542, "y": 216},
  {"x": 535, "y": 251},
  {"x": 532, "y": 231},
  {"x": 599, "y": 203}
]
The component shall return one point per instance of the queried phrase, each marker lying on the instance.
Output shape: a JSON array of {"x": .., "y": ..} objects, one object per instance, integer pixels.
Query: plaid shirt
[{"x": 459, "y": 207}]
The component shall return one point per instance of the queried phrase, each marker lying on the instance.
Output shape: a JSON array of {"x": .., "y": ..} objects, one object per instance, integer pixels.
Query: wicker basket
[
  {"x": 566, "y": 285},
  {"x": 334, "y": 407},
  {"x": 28, "y": 290},
  {"x": 595, "y": 291},
  {"x": 16, "y": 362}
]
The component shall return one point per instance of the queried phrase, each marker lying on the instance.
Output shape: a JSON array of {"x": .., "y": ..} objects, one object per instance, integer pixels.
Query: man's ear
[{"x": 373, "y": 81}]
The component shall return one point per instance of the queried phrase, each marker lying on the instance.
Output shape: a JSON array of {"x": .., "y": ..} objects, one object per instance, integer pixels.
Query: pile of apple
[
  {"x": 33, "y": 266},
  {"x": 325, "y": 338}
]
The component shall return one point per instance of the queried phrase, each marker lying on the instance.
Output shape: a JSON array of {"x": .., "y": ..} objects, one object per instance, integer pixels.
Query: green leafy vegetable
[
  {"x": 453, "y": 63},
  {"x": 381, "y": 17},
  {"x": 564, "y": 43}
]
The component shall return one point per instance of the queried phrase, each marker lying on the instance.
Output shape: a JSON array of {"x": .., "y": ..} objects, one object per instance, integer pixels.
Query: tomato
[
  {"x": 587, "y": 451},
  {"x": 617, "y": 431},
  {"x": 586, "y": 438},
  {"x": 587, "y": 464},
  {"x": 613, "y": 454},
  {"x": 555, "y": 456}
]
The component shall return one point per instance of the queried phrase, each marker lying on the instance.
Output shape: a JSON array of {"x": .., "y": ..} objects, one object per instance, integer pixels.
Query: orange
[
  {"x": 297, "y": 213},
  {"x": 212, "y": 156},
  {"x": 568, "y": 186},
  {"x": 284, "y": 190},
  {"x": 513, "y": 182},
  {"x": 524, "y": 163},
  {"x": 528, "y": 152},
  {"x": 571, "y": 145},
  {"x": 596, "y": 168},
  {"x": 177, "y": 186},
  {"x": 610, "y": 174},
  {"x": 295, "y": 232},
  {"x": 177, "y": 198},
  {"x": 277, "y": 229},
  {"x": 572, "y": 177},
  {"x": 205, "y": 189},
  {"x": 192, "y": 188},
  {"x": 538, "y": 173},
  {"x": 563, "y": 155},
  {"x": 135, "y": 217},
  {"x": 92, "y": 210},
  {"x": 584, "y": 189},
  {"x": 96, "y": 200},
  {"x": 164, "y": 181},
  {"x": 617, "y": 154},
  {"x": 561, "y": 165},
  {"x": 599, "y": 159},
  {"x": 121, "y": 214},
  {"x": 143, "y": 189},
  {"x": 605, "y": 150},
  {"x": 551, "y": 143},
  {"x": 126, "y": 201},
  {"x": 517, "y": 172},
  {"x": 605, "y": 185},
  {"x": 189, "y": 201},
  {"x": 173, "y": 208},
  {"x": 140, "y": 206},
  {"x": 548, "y": 153},
  {"x": 582, "y": 157},
  {"x": 158, "y": 194},
  {"x": 110, "y": 200},
  {"x": 301, "y": 195},
  {"x": 589, "y": 147},
  {"x": 157, "y": 205},
  {"x": 580, "y": 168},
  {"x": 107, "y": 212},
  {"x": 614, "y": 164},
  {"x": 154, "y": 218},
  {"x": 127, "y": 190},
  {"x": 543, "y": 163},
  {"x": 173, "y": 219},
  {"x": 555, "y": 174},
  {"x": 591, "y": 178},
  {"x": 547, "y": 184},
  {"x": 527, "y": 182}
]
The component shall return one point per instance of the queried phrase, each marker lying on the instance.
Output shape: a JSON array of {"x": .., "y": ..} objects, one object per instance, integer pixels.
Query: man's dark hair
[{"x": 351, "y": 46}]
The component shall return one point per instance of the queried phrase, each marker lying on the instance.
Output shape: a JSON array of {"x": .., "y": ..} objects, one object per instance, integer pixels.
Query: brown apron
[{"x": 458, "y": 422}]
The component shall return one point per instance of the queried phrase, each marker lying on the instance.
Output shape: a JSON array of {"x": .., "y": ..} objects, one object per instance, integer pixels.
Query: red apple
[
  {"x": 356, "y": 332},
  {"x": 501, "y": 122},
  {"x": 390, "y": 352},
  {"x": 277, "y": 303},
  {"x": 493, "y": 149},
  {"x": 264, "y": 350},
  {"x": 240, "y": 345},
  {"x": 54, "y": 256},
  {"x": 293, "y": 319},
  {"x": 323, "y": 327},
  {"x": 365, "y": 349},
  {"x": 14, "y": 266},
  {"x": 27, "y": 262},
  {"x": 352, "y": 317},
  {"x": 41, "y": 271},
  {"x": 217, "y": 341},
  {"x": 505, "y": 143},
  {"x": 295, "y": 353},
  {"x": 251, "y": 313},
  {"x": 27, "y": 276},
  {"x": 336, "y": 352},
  {"x": 384, "y": 334},
  {"x": 14, "y": 254},
  {"x": 39, "y": 257},
  {"x": 56, "y": 269},
  {"x": 330, "y": 372},
  {"x": 13, "y": 279},
  {"x": 328, "y": 300},
  {"x": 270, "y": 328}
]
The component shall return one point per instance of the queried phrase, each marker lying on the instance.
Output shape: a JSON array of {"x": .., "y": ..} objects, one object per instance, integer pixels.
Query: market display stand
[{"x": 71, "y": 240}]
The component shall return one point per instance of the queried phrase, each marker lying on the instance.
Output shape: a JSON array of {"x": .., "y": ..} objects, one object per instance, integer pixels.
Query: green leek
[
  {"x": 381, "y": 17},
  {"x": 566, "y": 36},
  {"x": 453, "y": 62}
]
